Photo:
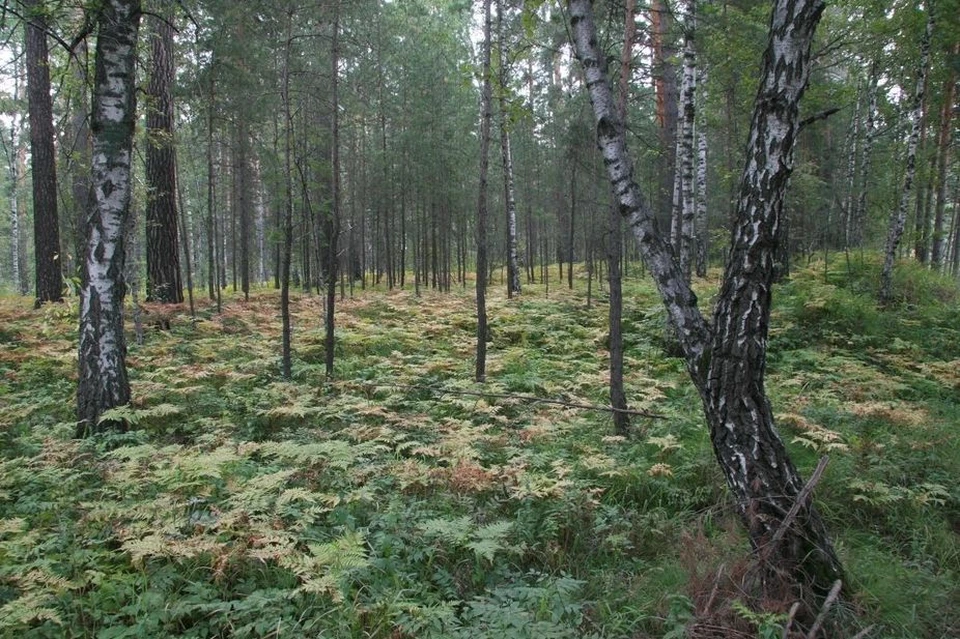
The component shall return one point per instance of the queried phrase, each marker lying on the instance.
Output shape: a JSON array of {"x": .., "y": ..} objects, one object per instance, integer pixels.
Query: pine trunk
[
  {"x": 899, "y": 217},
  {"x": 333, "y": 217},
  {"x": 103, "y": 380},
  {"x": 46, "y": 225},
  {"x": 485, "y": 117},
  {"x": 163, "y": 262}
]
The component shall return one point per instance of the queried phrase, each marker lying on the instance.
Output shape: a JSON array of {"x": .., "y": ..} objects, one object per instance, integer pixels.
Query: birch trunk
[
  {"x": 899, "y": 217},
  {"x": 859, "y": 217},
  {"x": 727, "y": 360},
  {"x": 485, "y": 117},
  {"x": 46, "y": 225},
  {"x": 700, "y": 226},
  {"x": 510, "y": 198},
  {"x": 688, "y": 112},
  {"x": 943, "y": 154},
  {"x": 103, "y": 380}
]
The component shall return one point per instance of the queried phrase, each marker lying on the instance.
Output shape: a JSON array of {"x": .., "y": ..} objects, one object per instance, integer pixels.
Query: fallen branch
[
  {"x": 800, "y": 501},
  {"x": 525, "y": 398}
]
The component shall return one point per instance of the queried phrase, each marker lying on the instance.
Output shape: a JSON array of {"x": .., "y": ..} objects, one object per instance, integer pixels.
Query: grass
[{"x": 384, "y": 503}]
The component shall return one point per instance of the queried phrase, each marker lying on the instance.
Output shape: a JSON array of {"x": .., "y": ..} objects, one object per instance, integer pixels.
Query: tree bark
[
  {"x": 103, "y": 380},
  {"x": 485, "y": 117},
  {"x": 46, "y": 225},
  {"x": 859, "y": 217},
  {"x": 509, "y": 192},
  {"x": 163, "y": 262},
  {"x": 688, "y": 95},
  {"x": 665, "y": 88},
  {"x": 333, "y": 219},
  {"x": 701, "y": 226},
  {"x": 727, "y": 360},
  {"x": 943, "y": 154},
  {"x": 899, "y": 216}
]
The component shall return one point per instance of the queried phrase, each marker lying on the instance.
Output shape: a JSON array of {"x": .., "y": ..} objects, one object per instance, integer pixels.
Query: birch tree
[
  {"x": 103, "y": 382},
  {"x": 509, "y": 192},
  {"x": 898, "y": 217},
  {"x": 726, "y": 357}
]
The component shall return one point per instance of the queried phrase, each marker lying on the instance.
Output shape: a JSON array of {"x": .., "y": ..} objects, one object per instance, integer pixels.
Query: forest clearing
[{"x": 388, "y": 504}]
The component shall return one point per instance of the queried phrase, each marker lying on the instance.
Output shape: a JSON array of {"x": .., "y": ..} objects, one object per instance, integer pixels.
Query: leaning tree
[{"x": 726, "y": 357}]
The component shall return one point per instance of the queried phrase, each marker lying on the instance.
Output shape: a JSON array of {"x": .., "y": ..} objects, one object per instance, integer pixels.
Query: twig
[
  {"x": 863, "y": 633},
  {"x": 790, "y": 617},
  {"x": 528, "y": 398},
  {"x": 800, "y": 501},
  {"x": 823, "y": 115},
  {"x": 827, "y": 604}
]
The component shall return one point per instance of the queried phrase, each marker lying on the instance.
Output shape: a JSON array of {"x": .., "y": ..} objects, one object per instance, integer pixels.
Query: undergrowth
[{"x": 392, "y": 502}]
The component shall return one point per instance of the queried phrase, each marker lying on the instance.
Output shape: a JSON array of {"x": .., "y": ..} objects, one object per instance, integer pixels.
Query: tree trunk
[
  {"x": 333, "y": 219},
  {"x": 163, "y": 262},
  {"x": 103, "y": 380},
  {"x": 14, "y": 156},
  {"x": 701, "y": 226},
  {"x": 687, "y": 119},
  {"x": 618, "y": 396},
  {"x": 859, "y": 217},
  {"x": 509, "y": 193},
  {"x": 485, "y": 117},
  {"x": 726, "y": 360},
  {"x": 212, "y": 263},
  {"x": 943, "y": 154},
  {"x": 46, "y": 225},
  {"x": 899, "y": 217},
  {"x": 665, "y": 88}
]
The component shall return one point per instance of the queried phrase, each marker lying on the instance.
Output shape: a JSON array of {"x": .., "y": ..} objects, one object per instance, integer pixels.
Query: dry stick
[
  {"x": 863, "y": 633},
  {"x": 526, "y": 398},
  {"x": 790, "y": 617},
  {"x": 827, "y": 604},
  {"x": 798, "y": 503}
]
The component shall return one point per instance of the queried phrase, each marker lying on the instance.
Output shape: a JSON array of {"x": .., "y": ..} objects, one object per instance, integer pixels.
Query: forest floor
[{"x": 391, "y": 502}]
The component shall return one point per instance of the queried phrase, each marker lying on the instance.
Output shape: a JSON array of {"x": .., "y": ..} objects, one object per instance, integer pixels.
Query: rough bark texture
[
  {"x": 859, "y": 216},
  {"x": 286, "y": 253},
  {"x": 700, "y": 226},
  {"x": 618, "y": 396},
  {"x": 685, "y": 162},
  {"x": 727, "y": 361},
  {"x": 333, "y": 219},
  {"x": 943, "y": 154},
  {"x": 163, "y": 260},
  {"x": 485, "y": 117},
  {"x": 46, "y": 225},
  {"x": 899, "y": 216},
  {"x": 665, "y": 88},
  {"x": 509, "y": 192},
  {"x": 103, "y": 375}
]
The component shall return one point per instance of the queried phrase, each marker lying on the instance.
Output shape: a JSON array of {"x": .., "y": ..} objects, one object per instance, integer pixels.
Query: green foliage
[{"x": 388, "y": 504}]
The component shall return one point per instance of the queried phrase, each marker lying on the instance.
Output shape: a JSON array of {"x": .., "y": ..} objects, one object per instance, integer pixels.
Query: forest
[{"x": 480, "y": 318}]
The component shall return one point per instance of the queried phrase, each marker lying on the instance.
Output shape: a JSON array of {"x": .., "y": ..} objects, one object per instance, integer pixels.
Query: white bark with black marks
[
  {"x": 727, "y": 362},
  {"x": 103, "y": 380},
  {"x": 898, "y": 217}
]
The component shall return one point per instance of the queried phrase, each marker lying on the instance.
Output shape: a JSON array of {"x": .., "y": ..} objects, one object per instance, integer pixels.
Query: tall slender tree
[
  {"x": 103, "y": 382},
  {"x": 46, "y": 225},
  {"x": 163, "y": 261},
  {"x": 509, "y": 192},
  {"x": 898, "y": 216},
  {"x": 485, "y": 116}
]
